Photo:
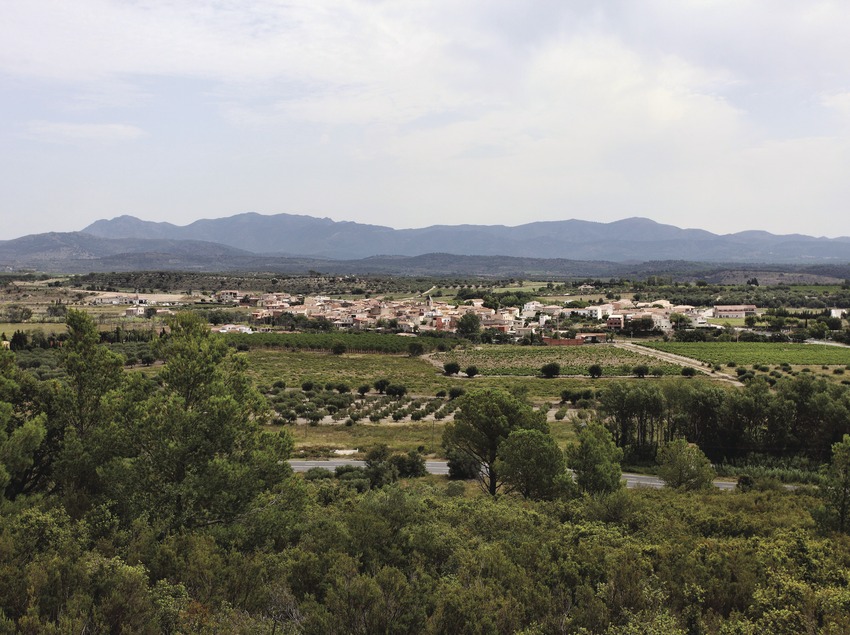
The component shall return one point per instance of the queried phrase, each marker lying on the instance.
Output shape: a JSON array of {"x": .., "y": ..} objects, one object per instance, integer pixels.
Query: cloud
[
  {"x": 720, "y": 111},
  {"x": 63, "y": 132}
]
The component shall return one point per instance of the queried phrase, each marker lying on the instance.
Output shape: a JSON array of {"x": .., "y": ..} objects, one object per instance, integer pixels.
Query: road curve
[{"x": 441, "y": 467}]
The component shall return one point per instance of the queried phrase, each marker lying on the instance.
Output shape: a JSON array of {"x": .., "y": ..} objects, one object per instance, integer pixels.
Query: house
[
  {"x": 227, "y": 295},
  {"x": 722, "y": 311},
  {"x": 616, "y": 321}
]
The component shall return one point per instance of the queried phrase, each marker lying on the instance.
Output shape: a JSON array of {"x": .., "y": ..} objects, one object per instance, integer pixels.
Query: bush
[
  {"x": 550, "y": 370},
  {"x": 687, "y": 371},
  {"x": 410, "y": 465},
  {"x": 451, "y": 368},
  {"x": 641, "y": 370},
  {"x": 684, "y": 466},
  {"x": 455, "y": 392},
  {"x": 461, "y": 465},
  {"x": 471, "y": 371},
  {"x": 595, "y": 371},
  {"x": 318, "y": 473}
]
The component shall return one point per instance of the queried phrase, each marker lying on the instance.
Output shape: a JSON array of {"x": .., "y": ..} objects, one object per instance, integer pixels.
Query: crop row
[
  {"x": 573, "y": 360},
  {"x": 315, "y": 404},
  {"x": 353, "y": 342},
  {"x": 747, "y": 353}
]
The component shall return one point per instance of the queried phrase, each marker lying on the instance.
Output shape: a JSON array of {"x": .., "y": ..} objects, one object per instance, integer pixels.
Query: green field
[
  {"x": 420, "y": 377},
  {"x": 574, "y": 360},
  {"x": 322, "y": 440},
  {"x": 746, "y": 353}
]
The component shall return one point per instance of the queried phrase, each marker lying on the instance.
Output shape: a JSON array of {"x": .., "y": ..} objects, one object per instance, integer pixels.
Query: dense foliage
[
  {"x": 156, "y": 503},
  {"x": 800, "y": 416}
]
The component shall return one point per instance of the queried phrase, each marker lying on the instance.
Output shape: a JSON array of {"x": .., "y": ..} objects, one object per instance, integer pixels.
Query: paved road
[{"x": 440, "y": 467}]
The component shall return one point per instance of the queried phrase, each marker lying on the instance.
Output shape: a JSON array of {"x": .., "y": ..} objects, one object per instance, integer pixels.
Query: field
[
  {"x": 747, "y": 353},
  {"x": 574, "y": 360},
  {"x": 322, "y": 440},
  {"x": 420, "y": 377}
]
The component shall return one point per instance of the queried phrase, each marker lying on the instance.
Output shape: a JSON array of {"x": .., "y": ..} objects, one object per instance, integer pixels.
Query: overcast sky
[{"x": 719, "y": 114}]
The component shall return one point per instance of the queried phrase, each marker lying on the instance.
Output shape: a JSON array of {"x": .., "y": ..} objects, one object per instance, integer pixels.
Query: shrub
[
  {"x": 318, "y": 473},
  {"x": 552, "y": 369},
  {"x": 595, "y": 371},
  {"x": 455, "y": 392},
  {"x": 687, "y": 371},
  {"x": 471, "y": 371},
  {"x": 451, "y": 368}
]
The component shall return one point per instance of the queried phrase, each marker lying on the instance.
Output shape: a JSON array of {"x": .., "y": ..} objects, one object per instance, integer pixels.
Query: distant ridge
[{"x": 628, "y": 240}]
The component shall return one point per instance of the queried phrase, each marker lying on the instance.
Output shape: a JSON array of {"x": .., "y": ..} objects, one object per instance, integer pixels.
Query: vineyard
[
  {"x": 354, "y": 342},
  {"x": 747, "y": 353},
  {"x": 573, "y": 360}
]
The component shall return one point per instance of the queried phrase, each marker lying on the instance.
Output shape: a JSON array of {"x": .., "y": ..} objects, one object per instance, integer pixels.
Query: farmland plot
[
  {"x": 747, "y": 353},
  {"x": 573, "y": 360}
]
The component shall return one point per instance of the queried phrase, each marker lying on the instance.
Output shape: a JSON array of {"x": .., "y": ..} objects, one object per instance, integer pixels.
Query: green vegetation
[
  {"x": 684, "y": 466},
  {"x": 162, "y": 501},
  {"x": 354, "y": 342},
  {"x": 748, "y": 353},
  {"x": 572, "y": 360}
]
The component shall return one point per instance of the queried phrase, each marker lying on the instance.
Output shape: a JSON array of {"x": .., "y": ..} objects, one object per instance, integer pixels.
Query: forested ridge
[{"x": 140, "y": 502}]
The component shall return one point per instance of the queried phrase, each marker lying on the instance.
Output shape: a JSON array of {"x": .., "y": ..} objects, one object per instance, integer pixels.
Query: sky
[{"x": 725, "y": 115}]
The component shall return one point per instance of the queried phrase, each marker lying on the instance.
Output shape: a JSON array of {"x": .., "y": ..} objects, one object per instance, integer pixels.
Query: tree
[
  {"x": 469, "y": 326},
  {"x": 451, "y": 368},
  {"x": 84, "y": 422},
  {"x": 196, "y": 456},
  {"x": 682, "y": 465},
  {"x": 396, "y": 390},
  {"x": 531, "y": 463},
  {"x": 483, "y": 421},
  {"x": 381, "y": 385},
  {"x": 415, "y": 349},
  {"x": 550, "y": 370},
  {"x": 641, "y": 370},
  {"x": 835, "y": 489},
  {"x": 471, "y": 371},
  {"x": 688, "y": 371},
  {"x": 338, "y": 348},
  {"x": 595, "y": 460},
  {"x": 595, "y": 371}
]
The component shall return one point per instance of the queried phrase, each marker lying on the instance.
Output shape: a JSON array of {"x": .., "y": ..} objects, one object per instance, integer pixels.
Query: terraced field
[{"x": 574, "y": 360}]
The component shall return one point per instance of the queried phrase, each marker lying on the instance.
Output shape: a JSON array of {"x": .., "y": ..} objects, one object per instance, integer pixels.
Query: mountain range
[
  {"x": 290, "y": 243},
  {"x": 629, "y": 240}
]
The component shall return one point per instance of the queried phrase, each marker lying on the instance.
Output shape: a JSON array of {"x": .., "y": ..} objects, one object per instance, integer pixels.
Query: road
[
  {"x": 440, "y": 467},
  {"x": 676, "y": 359}
]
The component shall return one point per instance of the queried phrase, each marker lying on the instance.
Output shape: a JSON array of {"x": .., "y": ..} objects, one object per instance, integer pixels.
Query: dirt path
[{"x": 676, "y": 359}]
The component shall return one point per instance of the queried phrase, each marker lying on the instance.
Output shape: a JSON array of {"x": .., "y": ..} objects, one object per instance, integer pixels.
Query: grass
[
  {"x": 267, "y": 366},
  {"x": 574, "y": 360},
  {"x": 47, "y": 328},
  {"x": 322, "y": 440},
  {"x": 748, "y": 353},
  {"x": 296, "y": 367}
]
